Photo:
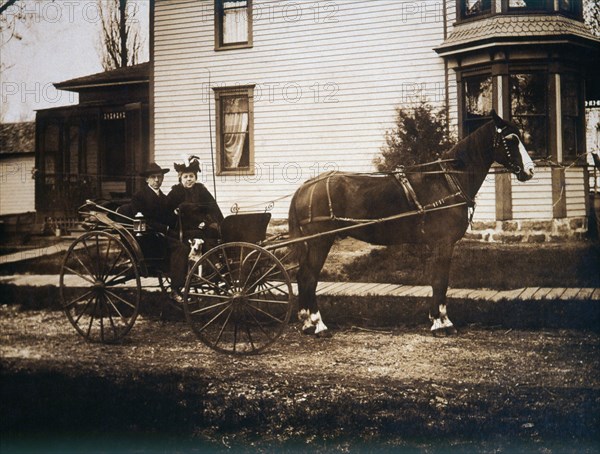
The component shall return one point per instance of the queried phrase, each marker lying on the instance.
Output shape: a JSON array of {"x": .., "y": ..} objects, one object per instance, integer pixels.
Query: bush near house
[{"x": 421, "y": 135}]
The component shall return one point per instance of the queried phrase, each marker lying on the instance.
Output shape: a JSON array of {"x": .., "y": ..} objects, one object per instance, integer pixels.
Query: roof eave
[
  {"x": 78, "y": 87},
  {"x": 450, "y": 50}
]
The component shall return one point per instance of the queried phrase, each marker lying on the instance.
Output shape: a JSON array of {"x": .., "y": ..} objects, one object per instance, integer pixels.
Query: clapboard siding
[
  {"x": 575, "y": 192},
  {"x": 374, "y": 57},
  {"x": 485, "y": 202},
  {"x": 533, "y": 199},
  {"x": 18, "y": 187}
]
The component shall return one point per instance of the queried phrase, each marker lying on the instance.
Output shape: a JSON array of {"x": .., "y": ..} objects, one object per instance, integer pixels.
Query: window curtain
[
  {"x": 235, "y": 22},
  {"x": 235, "y": 131}
]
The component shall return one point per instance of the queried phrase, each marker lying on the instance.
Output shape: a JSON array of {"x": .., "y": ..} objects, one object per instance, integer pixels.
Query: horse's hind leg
[
  {"x": 311, "y": 260},
  {"x": 440, "y": 272}
]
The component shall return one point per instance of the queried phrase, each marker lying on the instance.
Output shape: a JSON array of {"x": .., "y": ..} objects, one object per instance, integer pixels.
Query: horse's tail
[{"x": 295, "y": 230}]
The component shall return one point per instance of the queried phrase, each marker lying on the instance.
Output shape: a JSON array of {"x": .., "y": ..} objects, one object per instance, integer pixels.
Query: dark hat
[
  {"x": 189, "y": 164},
  {"x": 152, "y": 169}
]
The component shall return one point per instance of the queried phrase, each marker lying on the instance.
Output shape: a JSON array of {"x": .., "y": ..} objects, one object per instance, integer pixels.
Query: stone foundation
[{"x": 528, "y": 231}]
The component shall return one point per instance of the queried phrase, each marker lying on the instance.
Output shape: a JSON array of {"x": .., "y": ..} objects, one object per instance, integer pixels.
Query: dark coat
[
  {"x": 155, "y": 208},
  {"x": 199, "y": 197}
]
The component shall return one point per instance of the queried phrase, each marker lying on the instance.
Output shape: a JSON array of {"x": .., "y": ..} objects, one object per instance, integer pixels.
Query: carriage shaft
[{"x": 282, "y": 244}]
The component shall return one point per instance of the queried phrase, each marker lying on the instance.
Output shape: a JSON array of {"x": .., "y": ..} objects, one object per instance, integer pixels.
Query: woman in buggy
[{"x": 199, "y": 214}]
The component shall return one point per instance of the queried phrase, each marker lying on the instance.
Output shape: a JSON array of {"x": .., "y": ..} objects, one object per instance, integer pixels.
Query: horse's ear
[{"x": 497, "y": 120}]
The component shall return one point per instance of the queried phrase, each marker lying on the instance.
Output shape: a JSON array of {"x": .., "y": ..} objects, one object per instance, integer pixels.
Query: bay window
[
  {"x": 572, "y": 122},
  {"x": 478, "y": 99},
  {"x": 528, "y": 108},
  {"x": 472, "y": 8}
]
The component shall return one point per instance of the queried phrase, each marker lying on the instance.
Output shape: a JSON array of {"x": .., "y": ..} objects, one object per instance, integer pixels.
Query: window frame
[
  {"x": 576, "y": 12},
  {"x": 548, "y": 7},
  {"x": 487, "y": 72},
  {"x": 227, "y": 92},
  {"x": 219, "y": 15},
  {"x": 463, "y": 17},
  {"x": 548, "y": 100},
  {"x": 579, "y": 118}
]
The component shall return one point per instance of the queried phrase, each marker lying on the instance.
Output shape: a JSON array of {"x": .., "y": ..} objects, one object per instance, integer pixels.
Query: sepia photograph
[{"x": 299, "y": 226}]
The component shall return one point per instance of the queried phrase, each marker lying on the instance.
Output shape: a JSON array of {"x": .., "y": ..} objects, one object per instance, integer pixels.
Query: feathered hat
[{"x": 189, "y": 164}]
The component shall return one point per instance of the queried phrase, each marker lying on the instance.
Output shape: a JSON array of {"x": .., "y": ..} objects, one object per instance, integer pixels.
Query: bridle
[{"x": 500, "y": 138}]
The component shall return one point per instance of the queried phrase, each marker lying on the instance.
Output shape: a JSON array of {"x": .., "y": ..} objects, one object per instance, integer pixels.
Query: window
[
  {"x": 477, "y": 102},
  {"x": 570, "y": 7},
  {"x": 471, "y": 8},
  {"x": 113, "y": 132},
  {"x": 530, "y": 5},
  {"x": 233, "y": 24},
  {"x": 528, "y": 101},
  {"x": 571, "y": 116},
  {"x": 235, "y": 118}
]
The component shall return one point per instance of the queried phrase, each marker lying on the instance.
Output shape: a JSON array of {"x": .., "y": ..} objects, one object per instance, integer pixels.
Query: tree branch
[{"x": 7, "y": 4}]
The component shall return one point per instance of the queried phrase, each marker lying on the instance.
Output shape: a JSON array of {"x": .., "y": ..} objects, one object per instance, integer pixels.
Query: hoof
[
  {"x": 324, "y": 334},
  {"x": 451, "y": 331},
  {"x": 440, "y": 332},
  {"x": 309, "y": 331}
]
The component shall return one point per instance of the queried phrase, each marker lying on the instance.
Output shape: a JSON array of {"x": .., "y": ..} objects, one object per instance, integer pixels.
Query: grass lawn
[
  {"x": 478, "y": 265},
  {"x": 475, "y": 264}
]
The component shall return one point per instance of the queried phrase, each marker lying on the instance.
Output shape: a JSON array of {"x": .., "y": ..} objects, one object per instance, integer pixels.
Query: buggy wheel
[
  {"x": 164, "y": 282},
  {"x": 100, "y": 287},
  {"x": 238, "y": 298},
  {"x": 166, "y": 289}
]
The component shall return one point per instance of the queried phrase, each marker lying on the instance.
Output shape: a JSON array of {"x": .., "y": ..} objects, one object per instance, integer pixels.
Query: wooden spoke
[
  {"x": 238, "y": 298},
  {"x": 78, "y": 299},
  {"x": 98, "y": 308}
]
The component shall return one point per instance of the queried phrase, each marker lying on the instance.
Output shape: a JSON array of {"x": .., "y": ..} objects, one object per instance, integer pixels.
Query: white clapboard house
[
  {"x": 17, "y": 186},
  {"x": 276, "y": 92}
]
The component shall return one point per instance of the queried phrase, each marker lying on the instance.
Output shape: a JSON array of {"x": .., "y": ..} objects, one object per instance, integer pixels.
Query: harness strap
[
  {"x": 455, "y": 186},
  {"x": 411, "y": 195},
  {"x": 310, "y": 201}
]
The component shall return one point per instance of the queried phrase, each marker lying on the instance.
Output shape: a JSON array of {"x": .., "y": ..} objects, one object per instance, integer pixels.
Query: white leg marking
[
  {"x": 305, "y": 317},
  {"x": 318, "y": 321},
  {"x": 441, "y": 323},
  {"x": 443, "y": 313}
]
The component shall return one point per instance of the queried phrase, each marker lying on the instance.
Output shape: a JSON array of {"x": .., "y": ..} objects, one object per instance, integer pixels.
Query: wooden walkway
[{"x": 363, "y": 289}]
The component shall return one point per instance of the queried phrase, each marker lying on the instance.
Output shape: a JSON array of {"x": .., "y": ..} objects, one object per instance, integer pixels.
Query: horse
[{"x": 428, "y": 205}]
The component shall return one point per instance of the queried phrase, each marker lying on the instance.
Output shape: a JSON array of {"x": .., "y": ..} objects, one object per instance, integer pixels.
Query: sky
[{"x": 59, "y": 41}]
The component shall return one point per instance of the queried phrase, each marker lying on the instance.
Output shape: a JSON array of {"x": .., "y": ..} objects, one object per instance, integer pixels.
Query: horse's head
[{"x": 509, "y": 149}]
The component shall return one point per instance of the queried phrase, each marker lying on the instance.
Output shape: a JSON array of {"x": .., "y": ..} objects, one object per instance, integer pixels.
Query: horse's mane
[{"x": 472, "y": 148}]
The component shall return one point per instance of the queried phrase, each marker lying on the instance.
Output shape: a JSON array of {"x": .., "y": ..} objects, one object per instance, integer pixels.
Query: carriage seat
[{"x": 245, "y": 227}]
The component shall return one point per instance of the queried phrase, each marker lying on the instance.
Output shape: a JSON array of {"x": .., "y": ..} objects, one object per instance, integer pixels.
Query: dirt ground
[{"x": 485, "y": 390}]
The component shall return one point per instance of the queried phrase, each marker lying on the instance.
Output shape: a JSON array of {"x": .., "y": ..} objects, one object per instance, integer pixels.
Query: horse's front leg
[
  {"x": 440, "y": 272},
  {"x": 311, "y": 262}
]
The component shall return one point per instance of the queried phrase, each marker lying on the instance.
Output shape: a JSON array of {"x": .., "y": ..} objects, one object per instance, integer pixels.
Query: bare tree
[
  {"x": 12, "y": 12},
  {"x": 121, "y": 40}
]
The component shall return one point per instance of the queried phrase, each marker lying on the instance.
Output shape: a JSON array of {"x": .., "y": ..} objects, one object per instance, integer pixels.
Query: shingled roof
[
  {"x": 127, "y": 75},
  {"x": 17, "y": 137},
  {"x": 515, "y": 27}
]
